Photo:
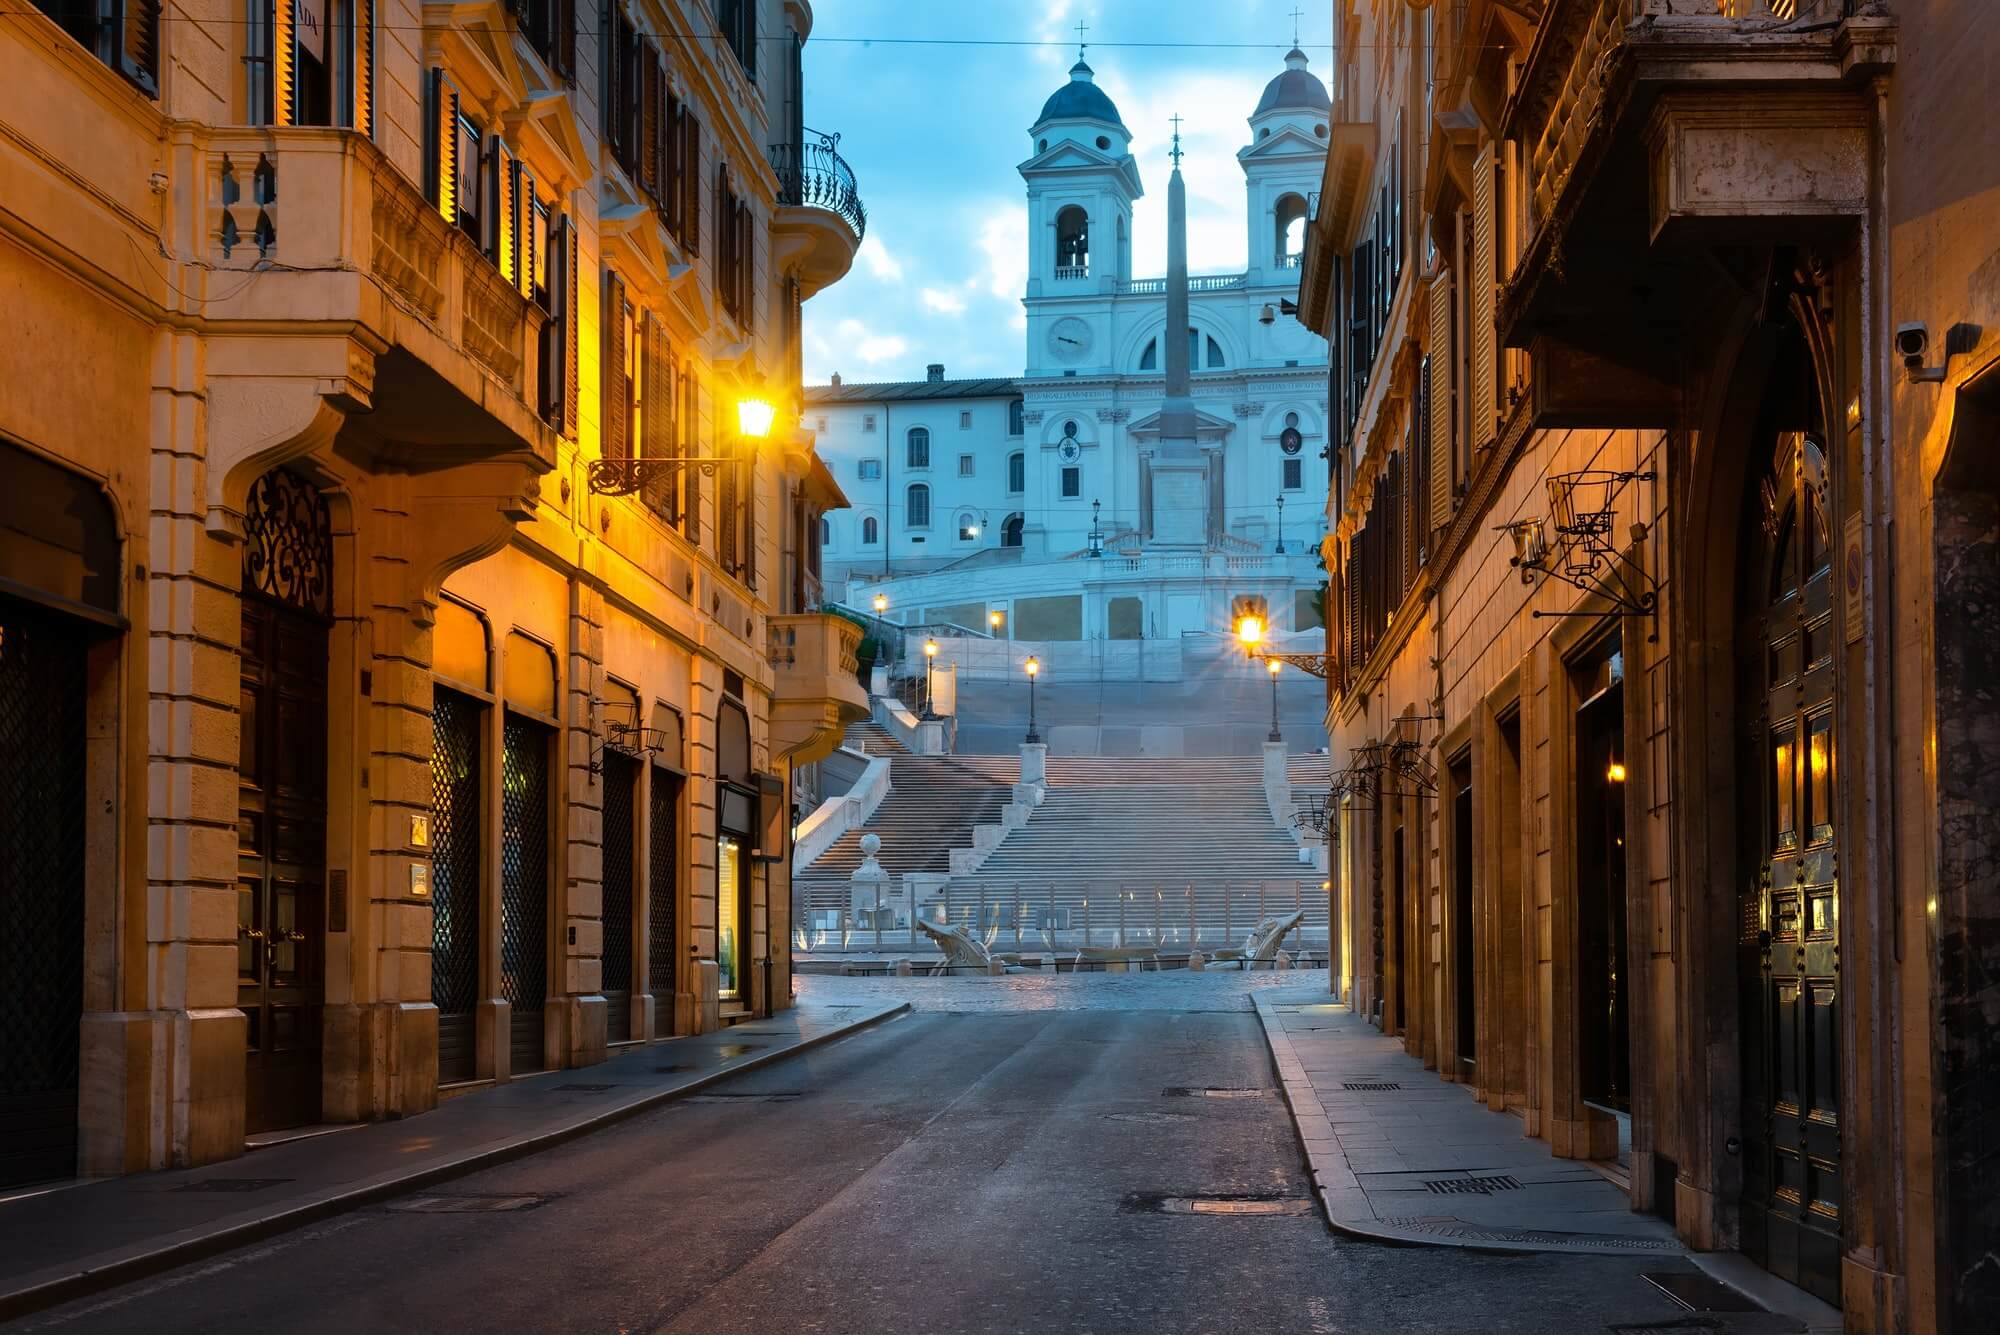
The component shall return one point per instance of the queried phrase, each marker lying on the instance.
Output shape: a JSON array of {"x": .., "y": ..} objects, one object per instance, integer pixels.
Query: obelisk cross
[
  {"x": 1176, "y": 150},
  {"x": 1295, "y": 25}
]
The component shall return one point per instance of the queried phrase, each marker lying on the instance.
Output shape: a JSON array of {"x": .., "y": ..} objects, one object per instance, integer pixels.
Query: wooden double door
[{"x": 1789, "y": 940}]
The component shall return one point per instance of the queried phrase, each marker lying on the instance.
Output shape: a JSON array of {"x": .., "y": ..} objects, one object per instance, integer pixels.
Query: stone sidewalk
[
  {"x": 1399, "y": 1155},
  {"x": 69, "y": 1241}
]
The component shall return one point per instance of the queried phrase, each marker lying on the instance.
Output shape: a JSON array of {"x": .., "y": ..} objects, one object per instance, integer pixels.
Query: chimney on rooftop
[
  {"x": 935, "y": 373},
  {"x": 836, "y": 380}
]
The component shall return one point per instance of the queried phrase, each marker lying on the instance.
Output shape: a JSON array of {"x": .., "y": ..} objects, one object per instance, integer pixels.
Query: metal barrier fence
[{"x": 1060, "y": 915}]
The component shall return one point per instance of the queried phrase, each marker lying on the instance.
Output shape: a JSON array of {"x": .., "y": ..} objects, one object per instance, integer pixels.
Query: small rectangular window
[
  {"x": 819, "y": 425},
  {"x": 965, "y": 421},
  {"x": 869, "y": 470},
  {"x": 1295, "y": 474},
  {"x": 1072, "y": 483},
  {"x": 965, "y": 465},
  {"x": 868, "y": 421}
]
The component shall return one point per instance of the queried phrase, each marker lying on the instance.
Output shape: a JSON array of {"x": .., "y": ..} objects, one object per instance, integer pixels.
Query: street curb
[
  {"x": 1346, "y": 1205},
  {"x": 122, "y": 1269}
]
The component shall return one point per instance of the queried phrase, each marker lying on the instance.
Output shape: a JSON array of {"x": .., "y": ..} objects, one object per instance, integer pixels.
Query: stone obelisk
[{"x": 1179, "y": 470}]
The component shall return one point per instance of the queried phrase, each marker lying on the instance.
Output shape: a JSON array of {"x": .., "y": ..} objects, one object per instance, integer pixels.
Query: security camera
[{"x": 1912, "y": 340}]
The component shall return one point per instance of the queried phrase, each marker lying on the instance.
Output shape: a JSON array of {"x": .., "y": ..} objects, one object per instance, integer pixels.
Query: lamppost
[
  {"x": 1281, "y": 526},
  {"x": 1096, "y": 534},
  {"x": 1275, "y": 668},
  {"x": 993, "y": 620},
  {"x": 930, "y": 662},
  {"x": 1034, "y": 667}
]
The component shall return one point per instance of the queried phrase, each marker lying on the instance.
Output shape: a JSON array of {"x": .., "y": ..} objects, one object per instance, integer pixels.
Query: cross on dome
[{"x": 1175, "y": 151}]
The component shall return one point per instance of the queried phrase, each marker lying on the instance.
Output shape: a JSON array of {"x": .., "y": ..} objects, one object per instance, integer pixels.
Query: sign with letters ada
[{"x": 310, "y": 18}]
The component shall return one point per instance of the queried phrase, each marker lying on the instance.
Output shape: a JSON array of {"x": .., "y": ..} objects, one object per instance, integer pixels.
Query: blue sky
[{"x": 934, "y": 134}]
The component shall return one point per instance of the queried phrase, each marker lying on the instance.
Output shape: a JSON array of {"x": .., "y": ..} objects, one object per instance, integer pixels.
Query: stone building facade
[
  {"x": 1663, "y": 529},
  {"x": 372, "y": 723}
]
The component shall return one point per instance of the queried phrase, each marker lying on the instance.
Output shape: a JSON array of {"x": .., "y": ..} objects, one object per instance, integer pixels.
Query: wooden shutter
[
  {"x": 1479, "y": 394},
  {"x": 557, "y": 348},
  {"x": 284, "y": 108},
  {"x": 662, "y": 151},
  {"x": 139, "y": 45},
  {"x": 565, "y": 43},
  {"x": 750, "y": 514},
  {"x": 573, "y": 324},
  {"x": 1440, "y": 400},
  {"x": 614, "y": 127},
  {"x": 441, "y": 155},
  {"x": 616, "y": 394},
  {"x": 746, "y": 268},
  {"x": 364, "y": 67},
  {"x": 496, "y": 205},
  {"x": 690, "y": 433},
  {"x": 673, "y": 135},
  {"x": 691, "y": 186},
  {"x": 521, "y": 222},
  {"x": 749, "y": 47},
  {"x": 650, "y": 77}
]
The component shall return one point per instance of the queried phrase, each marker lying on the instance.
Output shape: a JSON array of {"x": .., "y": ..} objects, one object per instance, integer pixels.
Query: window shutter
[
  {"x": 526, "y": 261},
  {"x": 1440, "y": 399},
  {"x": 750, "y": 514},
  {"x": 565, "y": 46},
  {"x": 284, "y": 63},
  {"x": 573, "y": 324},
  {"x": 556, "y": 346},
  {"x": 661, "y": 152},
  {"x": 1479, "y": 394},
  {"x": 691, "y": 187},
  {"x": 723, "y": 232},
  {"x": 496, "y": 203},
  {"x": 746, "y": 268},
  {"x": 690, "y": 433},
  {"x": 614, "y": 128},
  {"x": 749, "y": 47},
  {"x": 364, "y": 67},
  {"x": 649, "y": 117},
  {"x": 673, "y": 135},
  {"x": 442, "y": 158},
  {"x": 139, "y": 45},
  {"x": 728, "y": 522},
  {"x": 612, "y": 413}
]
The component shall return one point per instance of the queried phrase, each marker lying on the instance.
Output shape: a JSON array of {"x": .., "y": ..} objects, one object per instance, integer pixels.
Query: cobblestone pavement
[{"x": 1172, "y": 990}]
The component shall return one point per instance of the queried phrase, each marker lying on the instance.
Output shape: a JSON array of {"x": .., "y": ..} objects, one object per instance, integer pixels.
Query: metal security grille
[
  {"x": 524, "y": 885},
  {"x": 41, "y": 891},
  {"x": 288, "y": 542},
  {"x": 455, "y": 778},
  {"x": 621, "y": 776},
  {"x": 662, "y": 890}
]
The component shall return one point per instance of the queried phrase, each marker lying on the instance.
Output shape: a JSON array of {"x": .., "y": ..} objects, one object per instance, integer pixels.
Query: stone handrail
[{"x": 836, "y": 816}]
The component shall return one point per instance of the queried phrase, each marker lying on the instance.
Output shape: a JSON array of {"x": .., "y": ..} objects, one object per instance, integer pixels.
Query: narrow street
[{"x": 948, "y": 1171}]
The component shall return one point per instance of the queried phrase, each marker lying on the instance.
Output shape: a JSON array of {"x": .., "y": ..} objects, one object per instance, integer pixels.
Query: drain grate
[
  {"x": 233, "y": 1184},
  {"x": 1369, "y": 1086},
  {"x": 468, "y": 1203},
  {"x": 584, "y": 1089},
  {"x": 1472, "y": 1186},
  {"x": 1144, "y": 1203},
  {"x": 1541, "y": 1239},
  {"x": 1148, "y": 1118},
  {"x": 1201, "y": 1092}
]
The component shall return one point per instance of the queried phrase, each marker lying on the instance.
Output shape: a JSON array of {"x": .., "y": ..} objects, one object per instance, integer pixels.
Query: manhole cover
[
  {"x": 1145, "y": 1118},
  {"x": 728, "y": 1050},
  {"x": 1198, "y": 1092},
  {"x": 466, "y": 1204},
  {"x": 743, "y": 1098},
  {"x": 1698, "y": 1292},
  {"x": 1220, "y": 1205},
  {"x": 1475, "y": 1186},
  {"x": 233, "y": 1184},
  {"x": 1369, "y": 1086},
  {"x": 583, "y": 1089}
]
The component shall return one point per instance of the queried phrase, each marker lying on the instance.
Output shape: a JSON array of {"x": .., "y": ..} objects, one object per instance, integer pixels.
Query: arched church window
[
  {"x": 918, "y": 454},
  {"x": 1149, "y": 360},
  {"x": 825, "y": 531},
  {"x": 1289, "y": 240},
  {"x": 1017, "y": 473},
  {"x": 1010, "y": 531},
  {"x": 1215, "y": 358},
  {"x": 1016, "y": 420},
  {"x": 918, "y": 505},
  {"x": 1194, "y": 348},
  {"x": 968, "y": 527},
  {"x": 871, "y": 532},
  {"x": 1072, "y": 243}
]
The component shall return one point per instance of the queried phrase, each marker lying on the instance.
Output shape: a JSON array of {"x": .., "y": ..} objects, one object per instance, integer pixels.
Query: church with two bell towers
[{"x": 1128, "y": 483}]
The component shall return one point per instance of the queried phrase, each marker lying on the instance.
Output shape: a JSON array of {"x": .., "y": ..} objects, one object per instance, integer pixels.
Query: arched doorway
[
  {"x": 1010, "y": 529},
  {"x": 1788, "y": 935}
]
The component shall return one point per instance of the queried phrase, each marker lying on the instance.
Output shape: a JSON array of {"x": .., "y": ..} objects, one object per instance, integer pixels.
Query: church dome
[
  {"x": 1082, "y": 99},
  {"x": 1297, "y": 89}
]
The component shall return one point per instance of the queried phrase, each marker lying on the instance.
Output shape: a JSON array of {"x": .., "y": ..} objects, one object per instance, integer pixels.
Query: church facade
[{"x": 1051, "y": 499}]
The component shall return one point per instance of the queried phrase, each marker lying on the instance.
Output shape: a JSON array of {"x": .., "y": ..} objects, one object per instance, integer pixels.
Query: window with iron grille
[
  {"x": 1072, "y": 483},
  {"x": 917, "y": 451},
  {"x": 965, "y": 465},
  {"x": 1016, "y": 418},
  {"x": 1295, "y": 475},
  {"x": 918, "y": 506},
  {"x": 1017, "y": 473}
]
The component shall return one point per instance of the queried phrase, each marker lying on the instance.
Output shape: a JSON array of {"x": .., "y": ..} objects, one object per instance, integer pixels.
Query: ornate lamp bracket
[
  {"x": 626, "y": 737},
  {"x": 623, "y": 477},
  {"x": 1581, "y": 553}
]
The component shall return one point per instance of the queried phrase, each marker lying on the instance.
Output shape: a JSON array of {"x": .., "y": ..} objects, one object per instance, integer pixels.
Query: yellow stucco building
[{"x": 382, "y": 706}]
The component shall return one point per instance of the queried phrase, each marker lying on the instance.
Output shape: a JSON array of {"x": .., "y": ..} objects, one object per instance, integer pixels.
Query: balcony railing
[
  {"x": 812, "y": 174},
  {"x": 1152, "y": 287},
  {"x": 1072, "y": 271}
]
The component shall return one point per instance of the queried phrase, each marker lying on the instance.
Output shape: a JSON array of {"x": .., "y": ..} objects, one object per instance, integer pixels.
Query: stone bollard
[
  {"x": 1283, "y": 961},
  {"x": 996, "y": 968},
  {"x": 903, "y": 969},
  {"x": 1197, "y": 962}
]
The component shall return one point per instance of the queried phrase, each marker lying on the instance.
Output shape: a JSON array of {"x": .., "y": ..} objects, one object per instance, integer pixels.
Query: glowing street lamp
[
  {"x": 1274, "y": 667},
  {"x": 1034, "y": 670},
  {"x": 1250, "y": 631},
  {"x": 754, "y": 416},
  {"x": 930, "y": 662}
]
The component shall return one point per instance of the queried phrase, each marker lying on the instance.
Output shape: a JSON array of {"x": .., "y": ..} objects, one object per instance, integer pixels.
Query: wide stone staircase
[{"x": 871, "y": 738}]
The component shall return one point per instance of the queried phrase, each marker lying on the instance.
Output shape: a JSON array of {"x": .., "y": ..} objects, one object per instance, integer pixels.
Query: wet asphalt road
[{"x": 944, "y": 1172}]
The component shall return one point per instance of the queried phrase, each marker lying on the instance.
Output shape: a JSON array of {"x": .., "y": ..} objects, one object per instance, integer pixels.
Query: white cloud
[
  {"x": 879, "y": 261},
  {"x": 943, "y": 301},
  {"x": 1003, "y": 239},
  {"x": 881, "y": 348}
]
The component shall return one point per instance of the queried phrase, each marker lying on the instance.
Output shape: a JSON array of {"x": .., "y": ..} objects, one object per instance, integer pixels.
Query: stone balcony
[
  {"x": 816, "y": 694},
  {"x": 1649, "y": 130},
  {"x": 313, "y": 229},
  {"x": 820, "y": 219}
]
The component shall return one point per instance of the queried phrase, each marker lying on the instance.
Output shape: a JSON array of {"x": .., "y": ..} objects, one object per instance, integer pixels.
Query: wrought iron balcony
[{"x": 813, "y": 175}]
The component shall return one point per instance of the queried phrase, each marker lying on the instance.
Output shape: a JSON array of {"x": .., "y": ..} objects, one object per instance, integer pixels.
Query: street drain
[
  {"x": 584, "y": 1089},
  {"x": 1197, "y": 1092},
  {"x": 1148, "y": 1118},
  {"x": 232, "y": 1184},
  {"x": 1369, "y": 1086},
  {"x": 1473, "y": 1186},
  {"x": 1218, "y": 1205},
  {"x": 728, "y": 1050},
  {"x": 467, "y": 1204}
]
